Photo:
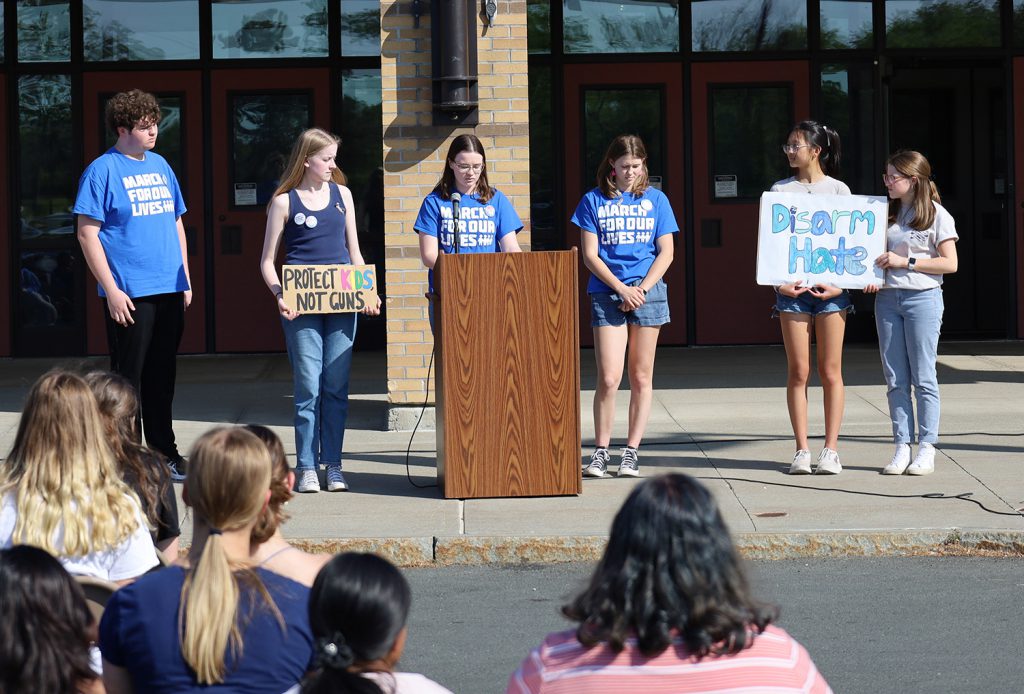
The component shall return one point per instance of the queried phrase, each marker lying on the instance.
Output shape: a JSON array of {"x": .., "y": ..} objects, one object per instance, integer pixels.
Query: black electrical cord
[{"x": 408, "y": 450}]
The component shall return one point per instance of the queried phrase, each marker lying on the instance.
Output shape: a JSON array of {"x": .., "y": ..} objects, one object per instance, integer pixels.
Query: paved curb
[{"x": 477, "y": 550}]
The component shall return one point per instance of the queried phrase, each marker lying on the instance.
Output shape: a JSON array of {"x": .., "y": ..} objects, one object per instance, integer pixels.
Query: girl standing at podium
[
  {"x": 487, "y": 221},
  {"x": 313, "y": 210},
  {"x": 627, "y": 232}
]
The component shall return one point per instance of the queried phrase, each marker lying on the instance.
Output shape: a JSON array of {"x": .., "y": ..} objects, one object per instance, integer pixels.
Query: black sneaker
[
  {"x": 598, "y": 463},
  {"x": 178, "y": 468},
  {"x": 629, "y": 465}
]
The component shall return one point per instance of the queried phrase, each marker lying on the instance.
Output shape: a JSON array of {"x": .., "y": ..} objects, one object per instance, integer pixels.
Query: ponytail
[
  {"x": 228, "y": 478},
  {"x": 826, "y": 139}
]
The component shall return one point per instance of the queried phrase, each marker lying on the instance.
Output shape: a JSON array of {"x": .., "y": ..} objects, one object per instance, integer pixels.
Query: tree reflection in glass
[
  {"x": 141, "y": 29},
  {"x": 941, "y": 23},
  {"x": 44, "y": 31},
  {"x": 629, "y": 26},
  {"x": 263, "y": 129},
  {"x": 262, "y": 29},
  {"x": 749, "y": 25},
  {"x": 360, "y": 27}
]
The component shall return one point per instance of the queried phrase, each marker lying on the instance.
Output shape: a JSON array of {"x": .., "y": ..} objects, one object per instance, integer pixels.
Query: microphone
[{"x": 456, "y": 201}]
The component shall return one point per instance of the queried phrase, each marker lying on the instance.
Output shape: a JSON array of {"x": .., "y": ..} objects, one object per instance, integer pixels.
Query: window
[
  {"x": 270, "y": 29},
  {"x": 846, "y": 24},
  {"x": 629, "y": 26},
  {"x": 44, "y": 31},
  {"x": 748, "y": 124},
  {"x": 748, "y": 25},
  {"x": 141, "y": 29},
  {"x": 941, "y": 23}
]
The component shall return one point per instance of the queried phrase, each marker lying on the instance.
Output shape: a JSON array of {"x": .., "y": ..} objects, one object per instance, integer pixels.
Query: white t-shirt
[
  {"x": 911, "y": 243},
  {"x": 826, "y": 186},
  {"x": 133, "y": 557},
  {"x": 405, "y": 683}
]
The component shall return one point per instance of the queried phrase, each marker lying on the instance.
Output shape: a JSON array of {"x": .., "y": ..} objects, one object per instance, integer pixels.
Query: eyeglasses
[
  {"x": 793, "y": 149},
  {"x": 466, "y": 168},
  {"x": 889, "y": 179}
]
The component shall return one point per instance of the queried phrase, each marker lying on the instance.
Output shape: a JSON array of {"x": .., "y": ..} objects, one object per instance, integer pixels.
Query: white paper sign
[
  {"x": 726, "y": 186},
  {"x": 821, "y": 239},
  {"x": 245, "y": 194}
]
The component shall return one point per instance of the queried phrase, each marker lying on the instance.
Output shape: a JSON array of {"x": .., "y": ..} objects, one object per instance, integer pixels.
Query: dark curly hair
[
  {"x": 669, "y": 570},
  {"x": 280, "y": 492},
  {"x": 45, "y": 625},
  {"x": 126, "y": 109},
  {"x": 358, "y": 606}
]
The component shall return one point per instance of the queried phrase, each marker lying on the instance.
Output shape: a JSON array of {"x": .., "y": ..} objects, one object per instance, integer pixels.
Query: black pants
[{"x": 145, "y": 353}]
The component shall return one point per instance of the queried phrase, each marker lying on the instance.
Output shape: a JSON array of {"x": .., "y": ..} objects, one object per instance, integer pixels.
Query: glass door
[
  {"x": 256, "y": 115},
  {"x": 742, "y": 113},
  {"x": 602, "y": 101},
  {"x": 180, "y": 142},
  {"x": 1018, "y": 139}
]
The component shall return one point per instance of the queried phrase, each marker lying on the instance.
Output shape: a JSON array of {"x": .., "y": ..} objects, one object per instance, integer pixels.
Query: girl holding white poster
[
  {"x": 627, "y": 230},
  {"x": 314, "y": 213},
  {"x": 921, "y": 242},
  {"x": 817, "y": 310}
]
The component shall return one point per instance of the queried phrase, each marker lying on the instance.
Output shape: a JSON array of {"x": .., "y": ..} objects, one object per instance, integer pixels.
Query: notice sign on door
[
  {"x": 329, "y": 288},
  {"x": 821, "y": 239},
  {"x": 726, "y": 186},
  {"x": 245, "y": 194}
]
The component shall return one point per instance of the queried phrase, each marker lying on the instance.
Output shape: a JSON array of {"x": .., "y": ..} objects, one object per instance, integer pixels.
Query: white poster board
[{"x": 821, "y": 239}]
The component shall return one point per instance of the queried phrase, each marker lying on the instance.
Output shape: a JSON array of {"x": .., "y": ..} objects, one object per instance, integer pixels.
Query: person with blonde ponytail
[
  {"x": 921, "y": 248},
  {"x": 60, "y": 489},
  {"x": 217, "y": 624}
]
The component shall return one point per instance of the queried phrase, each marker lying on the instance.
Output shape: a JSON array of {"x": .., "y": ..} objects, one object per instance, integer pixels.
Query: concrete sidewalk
[{"x": 719, "y": 415}]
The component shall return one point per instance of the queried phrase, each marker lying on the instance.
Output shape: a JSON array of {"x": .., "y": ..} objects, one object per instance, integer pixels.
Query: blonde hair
[
  {"x": 621, "y": 146},
  {"x": 914, "y": 165},
  {"x": 228, "y": 477},
  {"x": 64, "y": 475},
  {"x": 309, "y": 143}
]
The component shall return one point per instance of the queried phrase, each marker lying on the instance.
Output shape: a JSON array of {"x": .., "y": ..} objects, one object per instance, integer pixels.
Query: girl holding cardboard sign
[
  {"x": 813, "y": 150},
  {"x": 627, "y": 232},
  {"x": 921, "y": 242},
  {"x": 313, "y": 210}
]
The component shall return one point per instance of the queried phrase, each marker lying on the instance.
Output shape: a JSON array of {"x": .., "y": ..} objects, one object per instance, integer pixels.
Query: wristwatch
[{"x": 911, "y": 262}]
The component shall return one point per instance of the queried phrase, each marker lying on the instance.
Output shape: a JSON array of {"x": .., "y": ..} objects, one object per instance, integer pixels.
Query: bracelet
[{"x": 279, "y": 295}]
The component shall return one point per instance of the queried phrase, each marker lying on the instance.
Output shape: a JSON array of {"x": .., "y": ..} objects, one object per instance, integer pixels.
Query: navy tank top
[{"x": 316, "y": 237}]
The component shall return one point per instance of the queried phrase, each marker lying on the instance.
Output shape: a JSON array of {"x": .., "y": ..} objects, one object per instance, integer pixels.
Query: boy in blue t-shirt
[{"x": 129, "y": 209}]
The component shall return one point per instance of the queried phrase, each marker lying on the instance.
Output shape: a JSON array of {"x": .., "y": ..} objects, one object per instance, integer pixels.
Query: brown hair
[
  {"x": 914, "y": 166},
  {"x": 273, "y": 515},
  {"x": 446, "y": 186},
  {"x": 127, "y": 109},
  {"x": 621, "y": 146},
  {"x": 119, "y": 407}
]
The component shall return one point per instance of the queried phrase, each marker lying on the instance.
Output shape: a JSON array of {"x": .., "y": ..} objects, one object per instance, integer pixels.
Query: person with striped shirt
[{"x": 668, "y": 609}]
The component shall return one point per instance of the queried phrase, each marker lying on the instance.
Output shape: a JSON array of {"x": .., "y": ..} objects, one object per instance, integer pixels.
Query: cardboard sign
[
  {"x": 821, "y": 239},
  {"x": 329, "y": 288}
]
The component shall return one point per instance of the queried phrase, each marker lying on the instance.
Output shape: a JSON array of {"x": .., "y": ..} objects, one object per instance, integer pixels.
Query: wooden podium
[{"x": 506, "y": 332}]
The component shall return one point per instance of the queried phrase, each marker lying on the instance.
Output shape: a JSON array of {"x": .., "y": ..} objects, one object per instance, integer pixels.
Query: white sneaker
[
  {"x": 924, "y": 461},
  {"x": 900, "y": 460},
  {"x": 308, "y": 482},
  {"x": 801, "y": 464},
  {"x": 629, "y": 464},
  {"x": 828, "y": 462},
  {"x": 335, "y": 480}
]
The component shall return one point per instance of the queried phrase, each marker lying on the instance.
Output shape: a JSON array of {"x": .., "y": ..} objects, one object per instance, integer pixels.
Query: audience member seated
[
  {"x": 217, "y": 624},
  {"x": 668, "y": 608},
  {"x": 143, "y": 469},
  {"x": 60, "y": 489},
  {"x": 269, "y": 549},
  {"x": 358, "y": 608},
  {"x": 45, "y": 627}
]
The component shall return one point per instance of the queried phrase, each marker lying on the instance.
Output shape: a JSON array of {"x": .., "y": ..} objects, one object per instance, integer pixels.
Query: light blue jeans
[
  {"x": 908, "y": 323},
  {"x": 320, "y": 352}
]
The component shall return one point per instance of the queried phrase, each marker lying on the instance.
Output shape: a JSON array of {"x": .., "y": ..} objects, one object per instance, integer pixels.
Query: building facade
[{"x": 713, "y": 87}]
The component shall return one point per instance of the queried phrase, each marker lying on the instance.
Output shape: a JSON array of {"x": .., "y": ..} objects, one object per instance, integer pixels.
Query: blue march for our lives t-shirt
[
  {"x": 626, "y": 228},
  {"x": 481, "y": 224},
  {"x": 138, "y": 204}
]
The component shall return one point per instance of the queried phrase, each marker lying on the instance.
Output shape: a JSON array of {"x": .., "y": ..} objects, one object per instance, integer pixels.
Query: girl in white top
[
  {"x": 61, "y": 490},
  {"x": 820, "y": 310},
  {"x": 921, "y": 248},
  {"x": 357, "y": 610}
]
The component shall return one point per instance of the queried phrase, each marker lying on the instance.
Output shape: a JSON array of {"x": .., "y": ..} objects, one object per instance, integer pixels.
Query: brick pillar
[{"x": 414, "y": 152}]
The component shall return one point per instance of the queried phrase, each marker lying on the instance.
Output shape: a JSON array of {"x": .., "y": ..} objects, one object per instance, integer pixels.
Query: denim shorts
[
  {"x": 811, "y": 305},
  {"x": 605, "y": 311}
]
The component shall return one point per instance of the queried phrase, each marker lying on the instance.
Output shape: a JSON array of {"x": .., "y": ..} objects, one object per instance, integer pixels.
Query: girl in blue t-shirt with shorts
[
  {"x": 813, "y": 151},
  {"x": 626, "y": 231}
]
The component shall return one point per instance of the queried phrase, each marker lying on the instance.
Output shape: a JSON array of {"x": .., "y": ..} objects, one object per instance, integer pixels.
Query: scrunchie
[{"x": 333, "y": 652}]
